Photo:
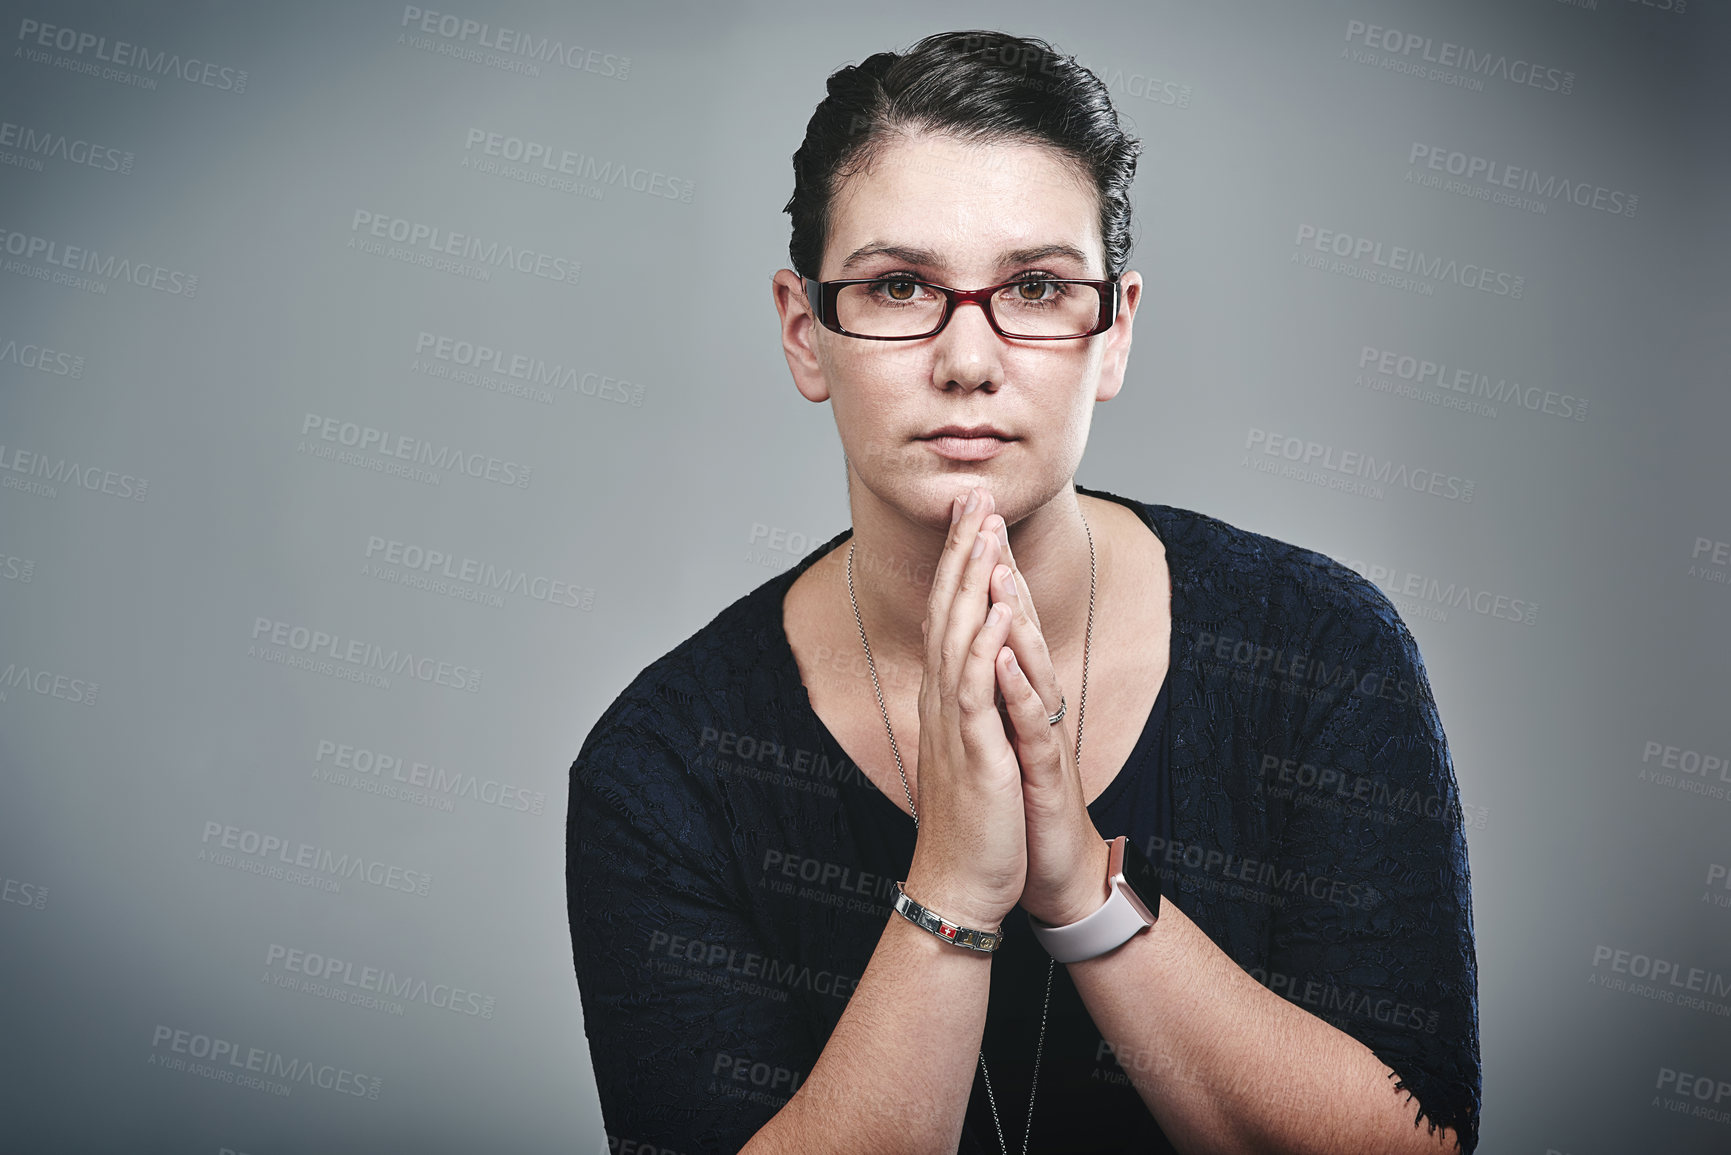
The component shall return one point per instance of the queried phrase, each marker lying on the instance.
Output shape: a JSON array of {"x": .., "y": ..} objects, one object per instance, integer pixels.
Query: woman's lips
[{"x": 967, "y": 448}]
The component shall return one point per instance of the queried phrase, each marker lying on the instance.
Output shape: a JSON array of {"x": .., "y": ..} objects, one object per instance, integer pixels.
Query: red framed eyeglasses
[{"x": 899, "y": 308}]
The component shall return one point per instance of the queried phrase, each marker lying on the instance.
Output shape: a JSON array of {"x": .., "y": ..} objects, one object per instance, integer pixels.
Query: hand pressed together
[{"x": 1002, "y": 815}]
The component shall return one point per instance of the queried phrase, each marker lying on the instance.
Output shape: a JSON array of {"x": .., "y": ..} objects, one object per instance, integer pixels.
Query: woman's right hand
[{"x": 970, "y": 856}]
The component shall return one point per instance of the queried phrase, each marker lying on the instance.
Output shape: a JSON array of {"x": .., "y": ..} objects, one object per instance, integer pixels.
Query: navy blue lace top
[{"x": 730, "y": 870}]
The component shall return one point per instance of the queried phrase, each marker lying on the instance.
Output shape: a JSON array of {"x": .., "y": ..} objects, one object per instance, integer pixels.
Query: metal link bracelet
[{"x": 984, "y": 941}]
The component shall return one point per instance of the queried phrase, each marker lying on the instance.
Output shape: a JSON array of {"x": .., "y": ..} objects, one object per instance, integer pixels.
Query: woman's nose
[{"x": 968, "y": 348}]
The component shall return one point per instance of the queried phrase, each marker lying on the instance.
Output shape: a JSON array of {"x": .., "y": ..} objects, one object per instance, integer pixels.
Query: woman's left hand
[{"x": 1066, "y": 854}]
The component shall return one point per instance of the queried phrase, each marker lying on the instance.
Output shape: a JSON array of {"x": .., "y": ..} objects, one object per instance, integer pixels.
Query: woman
[{"x": 1256, "y": 878}]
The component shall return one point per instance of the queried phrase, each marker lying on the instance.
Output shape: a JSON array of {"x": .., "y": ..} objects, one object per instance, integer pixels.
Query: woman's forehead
[{"x": 952, "y": 205}]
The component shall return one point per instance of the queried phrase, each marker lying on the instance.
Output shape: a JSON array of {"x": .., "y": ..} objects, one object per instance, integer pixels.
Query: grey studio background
[{"x": 381, "y": 390}]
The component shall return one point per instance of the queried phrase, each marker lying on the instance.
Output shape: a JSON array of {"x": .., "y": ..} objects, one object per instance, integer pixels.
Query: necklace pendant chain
[{"x": 1081, "y": 711}]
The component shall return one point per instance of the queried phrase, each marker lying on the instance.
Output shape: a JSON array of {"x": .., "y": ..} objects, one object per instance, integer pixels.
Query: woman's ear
[
  {"x": 799, "y": 329},
  {"x": 1117, "y": 353}
]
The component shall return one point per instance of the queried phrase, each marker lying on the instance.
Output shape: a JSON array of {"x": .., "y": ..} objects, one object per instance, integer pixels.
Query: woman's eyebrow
[
  {"x": 902, "y": 253},
  {"x": 913, "y": 256},
  {"x": 1042, "y": 252}
]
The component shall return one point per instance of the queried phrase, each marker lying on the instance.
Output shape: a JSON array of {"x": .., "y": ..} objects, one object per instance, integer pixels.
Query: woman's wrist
[
  {"x": 952, "y": 900},
  {"x": 1084, "y": 892}
]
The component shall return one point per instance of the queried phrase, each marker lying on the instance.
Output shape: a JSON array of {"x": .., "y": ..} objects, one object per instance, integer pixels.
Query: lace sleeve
[
  {"x": 694, "y": 1046},
  {"x": 1376, "y": 933}
]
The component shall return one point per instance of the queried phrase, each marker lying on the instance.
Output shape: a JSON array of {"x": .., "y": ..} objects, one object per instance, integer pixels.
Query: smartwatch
[{"x": 1133, "y": 904}]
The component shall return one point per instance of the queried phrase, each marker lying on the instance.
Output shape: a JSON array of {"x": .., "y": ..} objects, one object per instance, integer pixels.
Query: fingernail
[
  {"x": 1014, "y": 669},
  {"x": 1001, "y": 575},
  {"x": 973, "y": 500},
  {"x": 979, "y": 545},
  {"x": 996, "y": 616},
  {"x": 955, "y": 509}
]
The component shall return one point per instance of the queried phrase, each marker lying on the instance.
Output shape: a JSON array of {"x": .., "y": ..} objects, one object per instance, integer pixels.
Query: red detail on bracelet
[{"x": 947, "y": 931}]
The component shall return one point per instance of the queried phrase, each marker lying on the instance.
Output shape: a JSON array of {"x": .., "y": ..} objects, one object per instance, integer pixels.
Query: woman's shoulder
[
  {"x": 727, "y": 679},
  {"x": 1250, "y": 581},
  {"x": 696, "y": 684},
  {"x": 649, "y": 761}
]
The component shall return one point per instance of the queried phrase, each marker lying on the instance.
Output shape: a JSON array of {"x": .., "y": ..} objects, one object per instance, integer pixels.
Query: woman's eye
[
  {"x": 897, "y": 288},
  {"x": 1035, "y": 290}
]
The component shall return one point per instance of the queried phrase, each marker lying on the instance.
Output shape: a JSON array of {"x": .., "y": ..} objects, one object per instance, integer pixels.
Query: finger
[
  {"x": 1039, "y": 744},
  {"x": 948, "y": 576},
  {"x": 968, "y": 608},
  {"x": 982, "y": 728},
  {"x": 1027, "y": 599},
  {"x": 1025, "y": 637}
]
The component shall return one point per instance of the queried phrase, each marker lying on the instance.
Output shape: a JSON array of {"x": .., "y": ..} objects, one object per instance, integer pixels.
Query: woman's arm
[
  {"x": 898, "y": 1069},
  {"x": 657, "y": 917},
  {"x": 1378, "y": 929},
  {"x": 1227, "y": 1065},
  {"x": 654, "y": 905},
  {"x": 653, "y": 853},
  {"x": 1372, "y": 926}
]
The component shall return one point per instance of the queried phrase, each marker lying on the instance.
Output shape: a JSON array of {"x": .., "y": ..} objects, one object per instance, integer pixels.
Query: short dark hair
[{"x": 975, "y": 85}]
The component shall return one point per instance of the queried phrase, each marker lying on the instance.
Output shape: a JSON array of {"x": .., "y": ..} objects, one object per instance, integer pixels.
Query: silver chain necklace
[{"x": 1081, "y": 712}]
